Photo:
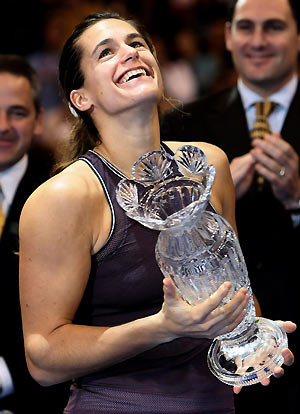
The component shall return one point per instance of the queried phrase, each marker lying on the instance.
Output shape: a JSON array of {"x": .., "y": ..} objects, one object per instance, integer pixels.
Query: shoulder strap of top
[
  {"x": 167, "y": 149},
  {"x": 210, "y": 207}
]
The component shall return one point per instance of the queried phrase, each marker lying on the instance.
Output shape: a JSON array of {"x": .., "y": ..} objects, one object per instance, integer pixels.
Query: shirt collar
[
  {"x": 283, "y": 97},
  {"x": 11, "y": 178}
]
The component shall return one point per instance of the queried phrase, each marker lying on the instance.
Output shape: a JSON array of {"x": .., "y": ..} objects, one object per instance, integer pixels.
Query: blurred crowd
[{"x": 188, "y": 36}]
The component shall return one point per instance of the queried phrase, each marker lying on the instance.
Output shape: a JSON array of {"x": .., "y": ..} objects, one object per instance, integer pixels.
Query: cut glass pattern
[{"x": 198, "y": 250}]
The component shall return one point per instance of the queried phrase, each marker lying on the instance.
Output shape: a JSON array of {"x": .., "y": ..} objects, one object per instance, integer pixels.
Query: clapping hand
[
  {"x": 277, "y": 161},
  {"x": 242, "y": 171}
]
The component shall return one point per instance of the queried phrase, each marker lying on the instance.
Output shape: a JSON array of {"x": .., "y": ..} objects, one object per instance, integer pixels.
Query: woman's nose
[{"x": 129, "y": 53}]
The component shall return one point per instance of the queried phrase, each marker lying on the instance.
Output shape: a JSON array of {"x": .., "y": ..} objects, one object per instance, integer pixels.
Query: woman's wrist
[
  {"x": 162, "y": 333},
  {"x": 139, "y": 335}
]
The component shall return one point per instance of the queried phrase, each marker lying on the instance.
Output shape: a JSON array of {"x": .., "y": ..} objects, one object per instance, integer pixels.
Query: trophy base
[{"x": 250, "y": 357}]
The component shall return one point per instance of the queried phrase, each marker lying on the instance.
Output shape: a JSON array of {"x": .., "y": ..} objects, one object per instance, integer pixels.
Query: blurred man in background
[{"x": 21, "y": 171}]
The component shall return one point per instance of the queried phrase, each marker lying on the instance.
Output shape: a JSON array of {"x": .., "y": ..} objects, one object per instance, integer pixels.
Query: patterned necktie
[
  {"x": 2, "y": 216},
  {"x": 261, "y": 126}
]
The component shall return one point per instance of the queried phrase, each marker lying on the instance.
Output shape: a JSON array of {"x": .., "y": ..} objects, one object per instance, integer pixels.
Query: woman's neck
[{"x": 124, "y": 140}]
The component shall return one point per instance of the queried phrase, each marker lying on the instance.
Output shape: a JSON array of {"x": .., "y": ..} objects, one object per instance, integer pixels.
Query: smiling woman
[
  {"x": 85, "y": 135},
  {"x": 109, "y": 65},
  {"x": 95, "y": 306},
  {"x": 132, "y": 74}
]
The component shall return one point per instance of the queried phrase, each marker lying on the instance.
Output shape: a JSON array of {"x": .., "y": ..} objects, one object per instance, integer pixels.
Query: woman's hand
[
  {"x": 206, "y": 319},
  {"x": 288, "y": 356}
]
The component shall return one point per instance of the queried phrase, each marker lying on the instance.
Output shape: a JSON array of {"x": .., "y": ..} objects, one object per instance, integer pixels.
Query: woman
[{"x": 93, "y": 302}]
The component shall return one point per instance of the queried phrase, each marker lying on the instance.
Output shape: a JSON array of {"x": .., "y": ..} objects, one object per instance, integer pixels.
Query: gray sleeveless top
[{"x": 125, "y": 284}]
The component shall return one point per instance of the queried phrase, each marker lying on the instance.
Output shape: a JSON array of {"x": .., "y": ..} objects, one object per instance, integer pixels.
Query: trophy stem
[{"x": 250, "y": 357}]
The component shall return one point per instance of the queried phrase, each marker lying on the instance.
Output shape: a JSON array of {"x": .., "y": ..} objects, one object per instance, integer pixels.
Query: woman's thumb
[{"x": 169, "y": 289}]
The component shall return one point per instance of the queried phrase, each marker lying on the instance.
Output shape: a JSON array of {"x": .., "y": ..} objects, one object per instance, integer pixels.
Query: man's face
[
  {"x": 264, "y": 43},
  {"x": 18, "y": 118}
]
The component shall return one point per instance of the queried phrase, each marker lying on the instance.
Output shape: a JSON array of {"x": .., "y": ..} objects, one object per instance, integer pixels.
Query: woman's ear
[{"x": 79, "y": 100}]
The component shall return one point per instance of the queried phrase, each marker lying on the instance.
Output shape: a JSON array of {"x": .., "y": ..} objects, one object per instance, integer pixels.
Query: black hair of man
[
  {"x": 294, "y": 5},
  {"x": 17, "y": 65}
]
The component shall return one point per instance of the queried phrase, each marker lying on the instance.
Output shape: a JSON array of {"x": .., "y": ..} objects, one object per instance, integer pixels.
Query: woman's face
[{"x": 119, "y": 69}]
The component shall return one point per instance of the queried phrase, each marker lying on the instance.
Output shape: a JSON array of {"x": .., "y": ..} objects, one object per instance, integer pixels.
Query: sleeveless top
[{"x": 125, "y": 284}]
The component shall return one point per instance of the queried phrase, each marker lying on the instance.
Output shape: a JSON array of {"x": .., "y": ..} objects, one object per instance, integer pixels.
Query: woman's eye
[
  {"x": 104, "y": 53},
  {"x": 137, "y": 44}
]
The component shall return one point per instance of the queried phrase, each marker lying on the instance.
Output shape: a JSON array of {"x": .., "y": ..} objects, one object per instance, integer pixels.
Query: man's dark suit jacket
[
  {"x": 270, "y": 244},
  {"x": 29, "y": 397}
]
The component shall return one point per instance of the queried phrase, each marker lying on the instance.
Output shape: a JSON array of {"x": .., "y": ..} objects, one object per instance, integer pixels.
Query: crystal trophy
[{"x": 198, "y": 250}]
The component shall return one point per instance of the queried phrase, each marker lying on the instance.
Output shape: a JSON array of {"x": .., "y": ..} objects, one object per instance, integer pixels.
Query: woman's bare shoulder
[
  {"x": 65, "y": 191},
  {"x": 214, "y": 154}
]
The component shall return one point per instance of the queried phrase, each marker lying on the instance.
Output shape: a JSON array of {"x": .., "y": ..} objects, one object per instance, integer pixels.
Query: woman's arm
[{"x": 62, "y": 223}]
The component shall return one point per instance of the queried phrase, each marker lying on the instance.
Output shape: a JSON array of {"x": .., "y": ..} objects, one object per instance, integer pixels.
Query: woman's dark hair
[
  {"x": 18, "y": 66},
  {"x": 294, "y": 5},
  {"x": 84, "y": 135}
]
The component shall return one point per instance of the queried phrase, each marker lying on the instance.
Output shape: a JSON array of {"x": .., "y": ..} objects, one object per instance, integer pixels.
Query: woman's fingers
[
  {"x": 287, "y": 326},
  {"x": 212, "y": 303},
  {"x": 265, "y": 382},
  {"x": 288, "y": 357},
  {"x": 207, "y": 319},
  {"x": 171, "y": 296},
  {"x": 236, "y": 389},
  {"x": 233, "y": 308},
  {"x": 169, "y": 289},
  {"x": 222, "y": 319},
  {"x": 204, "y": 308}
]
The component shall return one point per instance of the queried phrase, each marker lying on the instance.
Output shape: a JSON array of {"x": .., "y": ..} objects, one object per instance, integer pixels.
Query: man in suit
[
  {"x": 264, "y": 41},
  {"x": 21, "y": 171}
]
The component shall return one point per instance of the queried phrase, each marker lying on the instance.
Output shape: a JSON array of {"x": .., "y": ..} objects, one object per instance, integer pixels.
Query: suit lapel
[
  {"x": 10, "y": 236},
  {"x": 229, "y": 122},
  {"x": 290, "y": 129}
]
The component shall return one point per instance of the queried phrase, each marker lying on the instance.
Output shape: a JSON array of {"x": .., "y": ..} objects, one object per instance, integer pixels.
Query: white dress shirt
[
  {"x": 6, "y": 382},
  {"x": 10, "y": 179},
  {"x": 283, "y": 98}
]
